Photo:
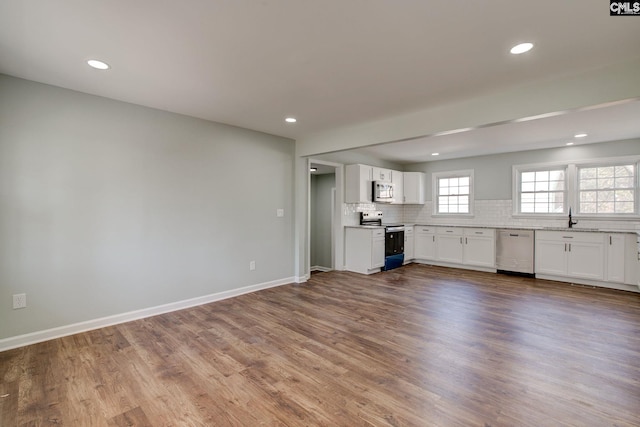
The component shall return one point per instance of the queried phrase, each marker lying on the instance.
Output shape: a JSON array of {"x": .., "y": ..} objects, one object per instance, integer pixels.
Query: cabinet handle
[
  {"x": 610, "y": 240},
  {"x": 465, "y": 241},
  {"x": 449, "y": 231},
  {"x": 434, "y": 238},
  {"x": 461, "y": 240},
  {"x": 565, "y": 247},
  {"x": 569, "y": 247},
  {"x": 567, "y": 237}
]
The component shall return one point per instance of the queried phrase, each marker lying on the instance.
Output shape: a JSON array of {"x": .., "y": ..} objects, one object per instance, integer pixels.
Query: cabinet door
[
  {"x": 409, "y": 244},
  {"x": 425, "y": 245},
  {"x": 413, "y": 187},
  {"x": 380, "y": 174},
  {"x": 377, "y": 252},
  {"x": 398, "y": 187},
  {"x": 586, "y": 260},
  {"x": 449, "y": 248},
  {"x": 616, "y": 258},
  {"x": 480, "y": 251},
  {"x": 551, "y": 257},
  {"x": 358, "y": 184}
]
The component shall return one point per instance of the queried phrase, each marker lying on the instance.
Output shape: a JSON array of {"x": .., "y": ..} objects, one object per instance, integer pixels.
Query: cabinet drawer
[
  {"x": 378, "y": 232},
  {"x": 425, "y": 230},
  {"x": 568, "y": 236},
  {"x": 408, "y": 230},
  {"x": 488, "y": 232},
  {"x": 450, "y": 231}
]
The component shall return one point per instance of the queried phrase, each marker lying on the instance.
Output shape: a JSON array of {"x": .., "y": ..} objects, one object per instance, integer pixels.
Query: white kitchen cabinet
[
  {"x": 397, "y": 179},
  {"x": 380, "y": 174},
  {"x": 364, "y": 249},
  {"x": 413, "y": 188},
  {"x": 479, "y": 247},
  {"x": 449, "y": 246},
  {"x": 358, "y": 184},
  {"x": 571, "y": 254},
  {"x": 409, "y": 243},
  {"x": 618, "y": 257},
  {"x": 425, "y": 242}
]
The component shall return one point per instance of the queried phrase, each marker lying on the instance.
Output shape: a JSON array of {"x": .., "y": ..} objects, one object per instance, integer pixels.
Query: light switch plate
[{"x": 279, "y": 213}]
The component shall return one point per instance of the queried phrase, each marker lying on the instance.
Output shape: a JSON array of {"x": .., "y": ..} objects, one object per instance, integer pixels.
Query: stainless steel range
[{"x": 393, "y": 239}]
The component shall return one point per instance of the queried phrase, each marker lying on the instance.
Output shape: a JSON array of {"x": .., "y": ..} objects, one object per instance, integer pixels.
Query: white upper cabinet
[
  {"x": 397, "y": 179},
  {"x": 380, "y": 174},
  {"x": 358, "y": 184},
  {"x": 413, "y": 188}
]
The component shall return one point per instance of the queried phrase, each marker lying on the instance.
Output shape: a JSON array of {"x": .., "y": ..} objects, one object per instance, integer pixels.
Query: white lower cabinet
[
  {"x": 364, "y": 249},
  {"x": 449, "y": 245},
  {"x": 425, "y": 242},
  {"x": 473, "y": 247},
  {"x": 570, "y": 254},
  {"x": 616, "y": 245},
  {"x": 480, "y": 247},
  {"x": 409, "y": 243}
]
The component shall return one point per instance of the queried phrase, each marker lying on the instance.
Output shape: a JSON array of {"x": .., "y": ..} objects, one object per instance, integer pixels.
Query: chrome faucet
[{"x": 571, "y": 221}]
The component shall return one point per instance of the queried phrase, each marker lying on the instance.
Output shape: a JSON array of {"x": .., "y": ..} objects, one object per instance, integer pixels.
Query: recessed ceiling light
[
  {"x": 290, "y": 120},
  {"x": 521, "y": 48},
  {"x": 313, "y": 169},
  {"x": 580, "y": 135},
  {"x": 435, "y": 154},
  {"x": 98, "y": 65},
  {"x": 569, "y": 143}
]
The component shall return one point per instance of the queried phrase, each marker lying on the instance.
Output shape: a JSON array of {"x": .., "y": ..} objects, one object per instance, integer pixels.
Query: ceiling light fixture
[
  {"x": 435, "y": 154},
  {"x": 580, "y": 135},
  {"x": 569, "y": 143},
  {"x": 290, "y": 120},
  {"x": 98, "y": 65},
  {"x": 521, "y": 48},
  {"x": 313, "y": 169}
]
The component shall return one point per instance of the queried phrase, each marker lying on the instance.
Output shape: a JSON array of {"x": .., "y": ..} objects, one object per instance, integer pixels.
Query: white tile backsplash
[
  {"x": 491, "y": 213},
  {"x": 499, "y": 213}
]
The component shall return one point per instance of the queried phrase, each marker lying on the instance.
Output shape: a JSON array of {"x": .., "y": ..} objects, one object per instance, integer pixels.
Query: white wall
[{"x": 108, "y": 207}]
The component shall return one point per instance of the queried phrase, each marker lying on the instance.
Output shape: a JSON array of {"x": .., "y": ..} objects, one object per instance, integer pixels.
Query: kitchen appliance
[
  {"x": 514, "y": 252},
  {"x": 382, "y": 192},
  {"x": 393, "y": 239}
]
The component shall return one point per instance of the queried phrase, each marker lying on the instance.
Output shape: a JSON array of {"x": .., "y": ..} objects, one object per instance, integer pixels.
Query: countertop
[{"x": 508, "y": 227}]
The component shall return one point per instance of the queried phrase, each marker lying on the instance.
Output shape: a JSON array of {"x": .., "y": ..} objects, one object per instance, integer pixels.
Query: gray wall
[
  {"x": 320, "y": 219},
  {"x": 492, "y": 174},
  {"x": 108, "y": 207}
]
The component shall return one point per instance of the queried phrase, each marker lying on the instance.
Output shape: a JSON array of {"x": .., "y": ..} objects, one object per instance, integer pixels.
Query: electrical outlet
[
  {"x": 19, "y": 301},
  {"x": 252, "y": 265},
  {"x": 279, "y": 213}
]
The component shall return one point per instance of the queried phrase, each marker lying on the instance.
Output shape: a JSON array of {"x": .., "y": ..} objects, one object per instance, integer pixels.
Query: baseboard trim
[
  {"x": 75, "y": 328},
  {"x": 320, "y": 268}
]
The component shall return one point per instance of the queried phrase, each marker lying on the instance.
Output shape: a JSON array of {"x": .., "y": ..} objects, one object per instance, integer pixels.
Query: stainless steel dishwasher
[{"x": 514, "y": 252}]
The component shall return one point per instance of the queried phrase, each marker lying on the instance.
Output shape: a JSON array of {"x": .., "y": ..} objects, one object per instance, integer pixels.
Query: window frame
[
  {"x": 572, "y": 189},
  {"x": 603, "y": 164},
  {"x": 435, "y": 187},
  {"x": 517, "y": 185}
]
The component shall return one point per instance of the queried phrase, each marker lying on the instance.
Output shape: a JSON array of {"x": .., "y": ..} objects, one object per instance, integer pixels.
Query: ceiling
[{"x": 330, "y": 63}]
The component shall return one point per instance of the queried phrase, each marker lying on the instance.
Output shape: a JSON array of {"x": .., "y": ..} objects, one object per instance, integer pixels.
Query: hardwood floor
[{"x": 415, "y": 346}]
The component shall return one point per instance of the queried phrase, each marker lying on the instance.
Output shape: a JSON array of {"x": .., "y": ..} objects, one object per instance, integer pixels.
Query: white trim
[
  {"x": 301, "y": 279},
  {"x": 320, "y": 268},
  {"x": 75, "y": 328}
]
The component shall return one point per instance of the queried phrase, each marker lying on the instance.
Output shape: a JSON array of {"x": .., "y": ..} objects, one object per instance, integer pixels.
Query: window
[
  {"x": 601, "y": 188},
  {"x": 453, "y": 193},
  {"x": 607, "y": 189},
  {"x": 543, "y": 191}
]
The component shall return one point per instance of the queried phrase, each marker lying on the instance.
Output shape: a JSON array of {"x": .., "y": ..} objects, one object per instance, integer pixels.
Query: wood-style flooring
[{"x": 415, "y": 346}]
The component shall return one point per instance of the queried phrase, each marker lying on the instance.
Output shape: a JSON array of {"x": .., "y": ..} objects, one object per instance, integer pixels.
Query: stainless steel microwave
[{"x": 382, "y": 192}]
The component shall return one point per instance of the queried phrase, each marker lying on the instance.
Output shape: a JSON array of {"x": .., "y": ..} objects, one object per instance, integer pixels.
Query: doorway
[{"x": 324, "y": 224}]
